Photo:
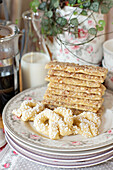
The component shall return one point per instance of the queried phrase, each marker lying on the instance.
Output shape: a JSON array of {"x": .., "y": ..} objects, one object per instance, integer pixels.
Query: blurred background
[{"x": 13, "y": 9}]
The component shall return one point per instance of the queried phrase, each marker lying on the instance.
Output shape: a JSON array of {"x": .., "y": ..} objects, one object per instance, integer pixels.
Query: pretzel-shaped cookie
[
  {"x": 66, "y": 114},
  {"x": 51, "y": 124},
  {"x": 86, "y": 124},
  {"x": 28, "y": 109},
  {"x": 91, "y": 117}
]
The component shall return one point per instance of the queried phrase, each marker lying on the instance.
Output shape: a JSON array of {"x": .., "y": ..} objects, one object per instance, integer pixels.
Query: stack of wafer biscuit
[{"x": 74, "y": 86}]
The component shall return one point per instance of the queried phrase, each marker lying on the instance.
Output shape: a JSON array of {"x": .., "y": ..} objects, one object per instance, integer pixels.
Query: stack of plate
[{"x": 68, "y": 152}]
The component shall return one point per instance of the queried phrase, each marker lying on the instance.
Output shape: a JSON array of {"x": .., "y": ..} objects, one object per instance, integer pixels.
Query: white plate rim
[
  {"x": 56, "y": 159},
  {"x": 46, "y": 147},
  {"x": 74, "y": 153},
  {"x": 76, "y": 166}
]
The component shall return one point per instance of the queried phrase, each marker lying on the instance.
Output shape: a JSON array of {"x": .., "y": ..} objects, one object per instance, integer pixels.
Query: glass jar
[
  {"x": 9, "y": 63},
  {"x": 35, "y": 54}
]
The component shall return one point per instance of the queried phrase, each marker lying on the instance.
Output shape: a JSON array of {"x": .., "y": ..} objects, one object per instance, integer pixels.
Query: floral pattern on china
[
  {"x": 93, "y": 49},
  {"x": 25, "y": 131}
]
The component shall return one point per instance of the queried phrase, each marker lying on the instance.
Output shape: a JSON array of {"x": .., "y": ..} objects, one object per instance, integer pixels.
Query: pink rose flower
[
  {"x": 82, "y": 33},
  {"x": 75, "y": 47},
  {"x": 76, "y": 143},
  {"x": 60, "y": 50},
  {"x": 110, "y": 131},
  {"x": 15, "y": 153},
  {"x": 90, "y": 49},
  {"x": 111, "y": 78},
  {"x": 34, "y": 137},
  {"x": 15, "y": 117},
  {"x": 90, "y": 22},
  {"x": 28, "y": 98},
  {"x": 66, "y": 51},
  {"x": 6, "y": 165}
]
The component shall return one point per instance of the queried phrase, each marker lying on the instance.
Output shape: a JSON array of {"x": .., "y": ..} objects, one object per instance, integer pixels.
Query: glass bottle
[{"x": 35, "y": 53}]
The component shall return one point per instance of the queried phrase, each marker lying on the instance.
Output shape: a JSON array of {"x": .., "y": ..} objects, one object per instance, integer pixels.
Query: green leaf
[
  {"x": 92, "y": 31},
  {"x": 72, "y": 1},
  {"x": 45, "y": 21},
  {"x": 110, "y": 4},
  {"x": 104, "y": 9},
  {"x": 34, "y": 5},
  {"x": 75, "y": 13},
  {"x": 74, "y": 21},
  {"x": 59, "y": 30},
  {"x": 76, "y": 32},
  {"x": 102, "y": 23},
  {"x": 86, "y": 4},
  {"x": 54, "y": 3},
  {"x": 78, "y": 1},
  {"x": 61, "y": 21},
  {"x": 54, "y": 28},
  {"x": 84, "y": 13},
  {"x": 99, "y": 28},
  {"x": 94, "y": 6},
  {"x": 16, "y": 22},
  {"x": 42, "y": 30},
  {"x": 81, "y": 6},
  {"x": 49, "y": 14},
  {"x": 42, "y": 6}
]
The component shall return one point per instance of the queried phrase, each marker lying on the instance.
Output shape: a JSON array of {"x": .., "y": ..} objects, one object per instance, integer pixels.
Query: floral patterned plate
[
  {"x": 24, "y": 153},
  {"x": 63, "y": 158},
  {"x": 25, "y": 132}
]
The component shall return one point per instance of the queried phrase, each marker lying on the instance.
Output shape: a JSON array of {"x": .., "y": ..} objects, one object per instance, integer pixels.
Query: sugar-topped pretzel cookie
[
  {"x": 54, "y": 130},
  {"x": 80, "y": 127},
  {"x": 61, "y": 92},
  {"x": 67, "y": 115},
  {"x": 72, "y": 67},
  {"x": 25, "y": 105},
  {"x": 72, "y": 81},
  {"x": 43, "y": 119},
  {"x": 28, "y": 109},
  {"x": 91, "y": 117},
  {"x": 81, "y": 76},
  {"x": 73, "y": 100},
  {"x": 84, "y": 127},
  {"x": 90, "y": 90}
]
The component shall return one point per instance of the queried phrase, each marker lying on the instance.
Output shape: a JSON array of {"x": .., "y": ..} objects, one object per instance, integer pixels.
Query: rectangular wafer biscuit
[
  {"x": 94, "y": 90},
  {"x": 80, "y": 76},
  {"x": 74, "y": 106},
  {"x": 72, "y": 81},
  {"x": 72, "y": 67},
  {"x": 73, "y": 100},
  {"x": 61, "y": 92}
]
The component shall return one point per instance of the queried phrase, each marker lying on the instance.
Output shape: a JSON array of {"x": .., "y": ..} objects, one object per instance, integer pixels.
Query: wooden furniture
[{"x": 1, "y": 123}]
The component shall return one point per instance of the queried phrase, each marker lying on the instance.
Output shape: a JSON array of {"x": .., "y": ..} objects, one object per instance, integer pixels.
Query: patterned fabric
[{"x": 12, "y": 161}]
